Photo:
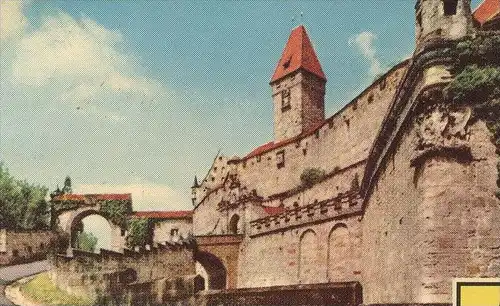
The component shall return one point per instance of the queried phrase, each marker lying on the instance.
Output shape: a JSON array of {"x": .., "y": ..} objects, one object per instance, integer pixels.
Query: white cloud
[
  {"x": 12, "y": 19},
  {"x": 145, "y": 196},
  {"x": 364, "y": 43},
  {"x": 84, "y": 64}
]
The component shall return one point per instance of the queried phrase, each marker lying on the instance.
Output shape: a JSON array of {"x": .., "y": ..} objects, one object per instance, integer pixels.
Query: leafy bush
[
  {"x": 475, "y": 85},
  {"x": 311, "y": 176}
]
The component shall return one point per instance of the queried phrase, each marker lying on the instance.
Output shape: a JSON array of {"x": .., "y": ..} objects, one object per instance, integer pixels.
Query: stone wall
[
  {"x": 24, "y": 246},
  {"x": 172, "y": 230},
  {"x": 110, "y": 273},
  {"x": 316, "y": 253},
  {"x": 429, "y": 221}
]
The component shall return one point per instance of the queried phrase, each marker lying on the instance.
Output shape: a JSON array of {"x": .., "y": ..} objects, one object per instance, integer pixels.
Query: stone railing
[{"x": 341, "y": 206}]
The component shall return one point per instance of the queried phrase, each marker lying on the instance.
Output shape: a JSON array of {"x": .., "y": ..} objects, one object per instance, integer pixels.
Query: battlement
[
  {"x": 340, "y": 206},
  {"x": 91, "y": 274}
]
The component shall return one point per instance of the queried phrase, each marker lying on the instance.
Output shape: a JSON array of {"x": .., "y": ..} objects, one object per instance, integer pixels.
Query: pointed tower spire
[
  {"x": 298, "y": 54},
  {"x": 298, "y": 86},
  {"x": 195, "y": 183}
]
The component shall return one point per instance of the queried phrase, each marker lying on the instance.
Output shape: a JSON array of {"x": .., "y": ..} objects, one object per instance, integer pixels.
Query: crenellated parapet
[
  {"x": 106, "y": 273},
  {"x": 341, "y": 206}
]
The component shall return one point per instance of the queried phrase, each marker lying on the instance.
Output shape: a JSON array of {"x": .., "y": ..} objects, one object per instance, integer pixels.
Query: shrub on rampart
[{"x": 311, "y": 176}]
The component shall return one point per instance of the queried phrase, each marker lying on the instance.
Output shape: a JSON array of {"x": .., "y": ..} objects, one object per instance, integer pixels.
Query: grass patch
[{"x": 41, "y": 289}]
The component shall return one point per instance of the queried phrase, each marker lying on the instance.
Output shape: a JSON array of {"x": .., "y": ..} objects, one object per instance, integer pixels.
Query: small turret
[
  {"x": 442, "y": 19},
  {"x": 194, "y": 190}
]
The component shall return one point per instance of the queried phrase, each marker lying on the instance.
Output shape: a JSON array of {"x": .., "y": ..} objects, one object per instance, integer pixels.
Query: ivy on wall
[
  {"x": 116, "y": 211},
  {"x": 477, "y": 83}
]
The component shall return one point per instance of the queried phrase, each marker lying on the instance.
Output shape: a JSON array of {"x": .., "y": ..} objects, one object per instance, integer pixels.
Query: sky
[{"x": 139, "y": 96}]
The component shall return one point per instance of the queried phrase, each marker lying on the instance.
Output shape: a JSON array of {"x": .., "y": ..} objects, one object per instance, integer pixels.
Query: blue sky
[{"x": 138, "y": 96}]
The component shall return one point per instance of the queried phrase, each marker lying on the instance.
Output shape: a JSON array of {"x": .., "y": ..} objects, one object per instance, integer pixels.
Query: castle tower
[
  {"x": 442, "y": 19},
  {"x": 298, "y": 88}
]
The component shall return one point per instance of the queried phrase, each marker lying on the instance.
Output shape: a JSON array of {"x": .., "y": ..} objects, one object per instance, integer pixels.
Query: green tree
[
  {"x": 86, "y": 241},
  {"x": 22, "y": 205},
  {"x": 67, "y": 186},
  {"x": 139, "y": 232}
]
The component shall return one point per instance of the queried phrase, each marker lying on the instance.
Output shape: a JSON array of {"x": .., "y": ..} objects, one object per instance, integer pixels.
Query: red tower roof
[
  {"x": 487, "y": 10},
  {"x": 298, "y": 54}
]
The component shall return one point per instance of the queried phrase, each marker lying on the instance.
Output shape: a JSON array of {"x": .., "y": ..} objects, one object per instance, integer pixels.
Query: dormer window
[
  {"x": 450, "y": 7},
  {"x": 285, "y": 99},
  {"x": 286, "y": 64}
]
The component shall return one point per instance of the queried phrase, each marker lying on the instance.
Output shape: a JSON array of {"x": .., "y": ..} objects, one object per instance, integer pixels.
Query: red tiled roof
[
  {"x": 487, "y": 10},
  {"x": 179, "y": 214},
  {"x": 273, "y": 210},
  {"x": 96, "y": 197},
  {"x": 298, "y": 54},
  {"x": 272, "y": 145}
]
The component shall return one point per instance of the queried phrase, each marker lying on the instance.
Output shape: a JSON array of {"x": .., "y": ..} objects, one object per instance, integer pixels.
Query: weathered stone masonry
[{"x": 408, "y": 200}]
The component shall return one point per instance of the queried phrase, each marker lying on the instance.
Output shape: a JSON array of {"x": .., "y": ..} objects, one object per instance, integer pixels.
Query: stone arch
[
  {"x": 234, "y": 224},
  {"x": 339, "y": 250},
  {"x": 215, "y": 269},
  {"x": 75, "y": 221},
  {"x": 309, "y": 264}
]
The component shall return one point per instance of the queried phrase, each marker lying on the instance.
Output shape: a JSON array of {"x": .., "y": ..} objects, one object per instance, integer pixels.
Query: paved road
[{"x": 12, "y": 273}]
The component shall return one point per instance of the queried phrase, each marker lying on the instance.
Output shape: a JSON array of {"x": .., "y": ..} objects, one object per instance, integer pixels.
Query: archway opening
[
  {"x": 212, "y": 270},
  {"x": 339, "y": 252},
  {"x": 234, "y": 227},
  {"x": 91, "y": 232}
]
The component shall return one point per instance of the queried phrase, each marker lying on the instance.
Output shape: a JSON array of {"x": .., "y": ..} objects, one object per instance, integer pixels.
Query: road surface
[{"x": 12, "y": 273}]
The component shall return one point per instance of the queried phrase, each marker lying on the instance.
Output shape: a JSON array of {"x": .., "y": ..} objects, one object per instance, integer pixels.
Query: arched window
[{"x": 234, "y": 224}]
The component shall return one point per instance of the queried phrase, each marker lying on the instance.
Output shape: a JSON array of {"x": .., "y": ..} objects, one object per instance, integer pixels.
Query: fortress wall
[
  {"x": 426, "y": 224},
  {"x": 343, "y": 140},
  {"x": 339, "y": 147},
  {"x": 391, "y": 231},
  {"x": 340, "y": 182},
  {"x": 89, "y": 273},
  {"x": 24, "y": 246},
  {"x": 325, "y": 252}
]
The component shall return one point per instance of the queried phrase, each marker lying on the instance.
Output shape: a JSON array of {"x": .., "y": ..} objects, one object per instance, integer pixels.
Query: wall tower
[
  {"x": 442, "y": 19},
  {"x": 298, "y": 88}
]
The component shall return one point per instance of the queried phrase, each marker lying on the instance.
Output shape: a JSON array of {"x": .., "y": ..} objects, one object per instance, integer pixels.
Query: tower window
[
  {"x": 280, "y": 159},
  {"x": 174, "y": 232},
  {"x": 285, "y": 100},
  {"x": 450, "y": 7}
]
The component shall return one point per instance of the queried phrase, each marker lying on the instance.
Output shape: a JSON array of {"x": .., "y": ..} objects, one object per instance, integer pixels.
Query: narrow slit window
[
  {"x": 285, "y": 100},
  {"x": 280, "y": 159}
]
